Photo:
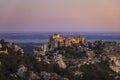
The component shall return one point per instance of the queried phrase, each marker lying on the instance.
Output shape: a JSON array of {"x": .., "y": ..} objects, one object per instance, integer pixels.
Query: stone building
[
  {"x": 74, "y": 40},
  {"x": 56, "y": 41}
]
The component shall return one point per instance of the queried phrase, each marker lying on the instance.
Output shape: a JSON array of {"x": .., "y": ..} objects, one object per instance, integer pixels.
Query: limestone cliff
[
  {"x": 115, "y": 63},
  {"x": 60, "y": 61}
]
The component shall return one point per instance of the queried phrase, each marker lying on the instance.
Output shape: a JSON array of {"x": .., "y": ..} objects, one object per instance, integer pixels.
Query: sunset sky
[{"x": 59, "y": 15}]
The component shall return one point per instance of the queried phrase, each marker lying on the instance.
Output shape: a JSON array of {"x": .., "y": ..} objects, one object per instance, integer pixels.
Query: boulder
[
  {"x": 60, "y": 61},
  {"x": 21, "y": 72},
  {"x": 34, "y": 76},
  {"x": 0, "y": 45},
  {"x": 115, "y": 63}
]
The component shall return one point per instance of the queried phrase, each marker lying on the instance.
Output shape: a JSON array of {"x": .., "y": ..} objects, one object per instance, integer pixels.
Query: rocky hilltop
[{"x": 72, "y": 58}]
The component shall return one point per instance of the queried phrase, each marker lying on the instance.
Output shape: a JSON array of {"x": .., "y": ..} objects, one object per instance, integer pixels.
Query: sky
[{"x": 59, "y": 15}]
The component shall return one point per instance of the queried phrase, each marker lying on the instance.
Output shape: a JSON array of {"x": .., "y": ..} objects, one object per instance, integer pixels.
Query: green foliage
[
  {"x": 73, "y": 52},
  {"x": 98, "y": 71},
  {"x": 11, "y": 62}
]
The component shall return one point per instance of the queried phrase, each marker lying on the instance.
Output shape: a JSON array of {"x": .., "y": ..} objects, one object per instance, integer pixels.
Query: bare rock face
[
  {"x": 33, "y": 76},
  {"x": 21, "y": 72},
  {"x": 60, "y": 61},
  {"x": 82, "y": 39},
  {"x": 90, "y": 54},
  {"x": 0, "y": 66},
  {"x": 18, "y": 49},
  {"x": 0, "y": 45},
  {"x": 21, "y": 52},
  {"x": 78, "y": 73},
  {"x": 44, "y": 47},
  {"x": 115, "y": 63},
  {"x": 51, "y": 76},
  {"x": 9, "y": 44},
  {"x": 4, "y": 51},
  {"x": 38, "y": 52}
]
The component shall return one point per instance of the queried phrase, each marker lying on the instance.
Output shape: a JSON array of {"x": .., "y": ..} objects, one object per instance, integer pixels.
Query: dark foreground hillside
[
  {"x": 80, "y": 61},
  {"x": 11, "y": 63}
]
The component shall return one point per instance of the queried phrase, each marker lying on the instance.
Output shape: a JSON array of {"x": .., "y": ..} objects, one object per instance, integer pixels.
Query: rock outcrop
[
  {"x": 51, "y": 76},
  {"x": 4, "y": 51},
  {"x": 0, "y": 45},
  {"x": 21, "y": 72},
  {"x": 114, "y": 63},
  {"x": 60, "y": 61},
  {"x": 44, "y": 47},
  {"x": 34, "y": 76},
  {"x": 90, "y": 54}
]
